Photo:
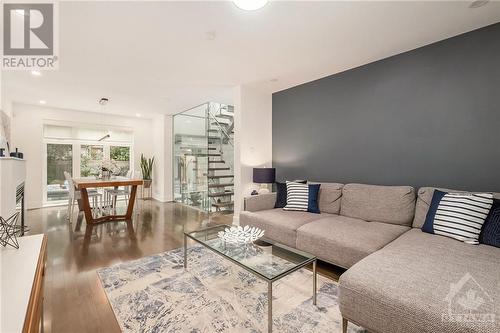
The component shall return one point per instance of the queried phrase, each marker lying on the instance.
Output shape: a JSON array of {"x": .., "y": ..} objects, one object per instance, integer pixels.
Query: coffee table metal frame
[{"x": 269, "y": 281}]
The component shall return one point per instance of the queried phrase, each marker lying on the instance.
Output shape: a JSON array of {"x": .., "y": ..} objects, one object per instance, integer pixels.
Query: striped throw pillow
[
  {"x": 458, "y": 215},
  {"x": 297, "y": 196}
]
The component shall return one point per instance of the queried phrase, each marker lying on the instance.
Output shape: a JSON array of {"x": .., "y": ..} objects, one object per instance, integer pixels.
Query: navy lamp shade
[{"x": 264, "y": 175}]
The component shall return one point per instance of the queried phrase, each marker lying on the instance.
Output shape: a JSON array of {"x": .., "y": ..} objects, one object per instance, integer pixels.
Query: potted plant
[{"x": 147, "y": 170}]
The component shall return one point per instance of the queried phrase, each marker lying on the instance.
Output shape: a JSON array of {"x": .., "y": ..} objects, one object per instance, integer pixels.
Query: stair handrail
[{"x": 221, "y": 128}]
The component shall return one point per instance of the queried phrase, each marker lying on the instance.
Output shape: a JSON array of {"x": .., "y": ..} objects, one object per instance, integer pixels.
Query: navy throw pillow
[
  {"x": 460, "y": 216},
  {"x": 490, "y": 233},
  {"x": 429, "y": 218},
  {"x": 313, "y": 204},
  {"x": 281, "y": 194}
]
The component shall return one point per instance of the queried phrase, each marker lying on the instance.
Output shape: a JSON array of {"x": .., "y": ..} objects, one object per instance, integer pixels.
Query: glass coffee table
[{"x": 265, "y": 258}]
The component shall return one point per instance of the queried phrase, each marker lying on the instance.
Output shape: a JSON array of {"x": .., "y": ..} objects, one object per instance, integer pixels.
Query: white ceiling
[{"x": 161, "y": 57}]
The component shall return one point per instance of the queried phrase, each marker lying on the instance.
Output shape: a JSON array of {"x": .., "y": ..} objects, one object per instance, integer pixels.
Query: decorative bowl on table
[{"x": 240, "y": 235}]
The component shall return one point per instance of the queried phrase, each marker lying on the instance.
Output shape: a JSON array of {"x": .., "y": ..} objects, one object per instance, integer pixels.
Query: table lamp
[{"x": 264, "y": 176}]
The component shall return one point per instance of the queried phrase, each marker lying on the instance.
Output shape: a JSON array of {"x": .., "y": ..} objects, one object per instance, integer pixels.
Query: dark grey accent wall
[{"x": 430, "y": 116}]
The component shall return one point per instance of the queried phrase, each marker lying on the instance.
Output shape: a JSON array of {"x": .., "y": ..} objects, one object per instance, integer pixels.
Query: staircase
[
  {"x": 203, "y": 157},
  {"x": 220, "y": 175}
]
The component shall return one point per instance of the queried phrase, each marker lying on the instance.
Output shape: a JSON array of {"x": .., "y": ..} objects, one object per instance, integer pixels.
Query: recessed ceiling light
[
  {"x": 478, "y": 3},
  {"x": 138, "y": 115},
  {"x": 250, "y": 4},
  {"x": 36, "y": 73},
  {"x": 42, "y": 102}
]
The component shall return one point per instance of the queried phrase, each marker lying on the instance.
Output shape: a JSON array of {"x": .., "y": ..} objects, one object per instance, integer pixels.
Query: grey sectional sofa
[{"x": 398, "y": 278}]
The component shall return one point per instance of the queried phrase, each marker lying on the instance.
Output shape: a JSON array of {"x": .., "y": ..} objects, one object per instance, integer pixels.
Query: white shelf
[
  {"x": 18, "y": 267},
  {"x": 11, "y": 158}
]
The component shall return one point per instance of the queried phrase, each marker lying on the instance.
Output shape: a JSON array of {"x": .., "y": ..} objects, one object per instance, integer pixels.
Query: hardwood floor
[{"x": 74, "y": 298}]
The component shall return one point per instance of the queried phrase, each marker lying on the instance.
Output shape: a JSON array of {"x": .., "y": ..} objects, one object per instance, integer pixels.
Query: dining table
[{"x": 83, "y": 184}]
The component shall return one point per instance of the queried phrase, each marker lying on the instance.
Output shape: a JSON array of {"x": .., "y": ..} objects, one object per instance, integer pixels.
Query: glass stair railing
[
  {"x": 204, "y": 157},
  {"x": 220, "y": 140}
]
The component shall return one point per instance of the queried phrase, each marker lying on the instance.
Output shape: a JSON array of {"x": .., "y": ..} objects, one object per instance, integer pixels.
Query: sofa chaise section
[
  {"x": 343, "y": 241},
  {"x": 413, "y": 285},
  {"x": 370, "y": 217}
]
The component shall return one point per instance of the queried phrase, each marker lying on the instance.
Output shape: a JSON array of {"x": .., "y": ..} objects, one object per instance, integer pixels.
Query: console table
[{"x": 22, "y": 279}]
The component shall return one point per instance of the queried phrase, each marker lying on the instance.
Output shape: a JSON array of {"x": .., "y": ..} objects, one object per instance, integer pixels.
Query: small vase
[{"x": 147, "y": 183}]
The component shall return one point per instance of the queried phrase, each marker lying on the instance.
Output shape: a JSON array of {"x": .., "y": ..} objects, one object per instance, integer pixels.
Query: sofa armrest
[{"x": 260, "y": 202}]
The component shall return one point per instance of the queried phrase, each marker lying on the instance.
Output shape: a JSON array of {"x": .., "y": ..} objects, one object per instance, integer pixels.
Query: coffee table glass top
[{"x": 266, "y": 258}]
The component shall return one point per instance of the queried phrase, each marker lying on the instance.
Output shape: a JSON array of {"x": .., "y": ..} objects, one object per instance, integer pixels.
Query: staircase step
[
  {"x": 224, "y": 116},
  {"x": 223, "y": 204},
  {"x": 220, "y": 194},
  {"x": 216, "y": 169},
  {"x": 199, "y": 148},
  {"x": 213, "y": 138},
  {"x": 220, "y": 123},
  {"x": 203, "y": 155},
  {"x": 220, "y": 185},
  {"x": 216, "y": 162},
  {"x": 222, "y": 176}
]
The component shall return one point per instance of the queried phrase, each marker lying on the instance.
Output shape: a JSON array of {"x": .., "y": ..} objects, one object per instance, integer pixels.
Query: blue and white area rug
[{"x": 156, "y": 294}]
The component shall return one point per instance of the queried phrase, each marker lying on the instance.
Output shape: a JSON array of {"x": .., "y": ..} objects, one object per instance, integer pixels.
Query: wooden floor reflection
[{"x": 74, "y": 298}]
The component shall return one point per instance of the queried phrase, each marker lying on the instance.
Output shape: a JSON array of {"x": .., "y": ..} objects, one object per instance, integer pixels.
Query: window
[
  {"x": 59, "y": 159},
  {"x": 91, "y": 158},
  {"x": 81, "y": 151},
  {"x": 121, "y": 157}
]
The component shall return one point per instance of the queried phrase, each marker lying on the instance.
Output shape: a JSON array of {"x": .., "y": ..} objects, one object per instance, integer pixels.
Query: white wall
[
  {"x": 27, "y": 135},
  {"x": 253, "y": 138},
  {"x": 162, "y": 173}
]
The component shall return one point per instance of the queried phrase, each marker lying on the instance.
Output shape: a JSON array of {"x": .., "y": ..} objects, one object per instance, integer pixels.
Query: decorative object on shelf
[
  {"x": 264, "y": 176},
  {"x": 5, "y": 130},
  {"x": 147, "y": 170},
  {"x": 254, "y": 192},
  {"x": 17, "y": 154},
  {"x": 9, "y": 230},
  {"x": 241, "y": 235},
  {"x": 1, "y": 152}
]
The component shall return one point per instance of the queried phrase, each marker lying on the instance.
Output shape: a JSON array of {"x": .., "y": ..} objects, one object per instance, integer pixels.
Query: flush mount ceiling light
[
  {"x": 36, "y": 73},
  {"x": 250, "y": 4},
  {"x": 42, "y": 102}
]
